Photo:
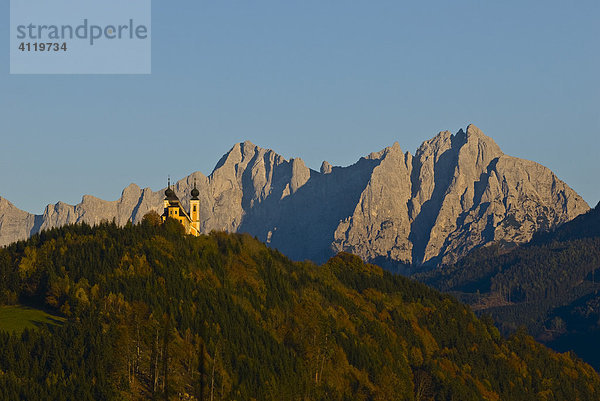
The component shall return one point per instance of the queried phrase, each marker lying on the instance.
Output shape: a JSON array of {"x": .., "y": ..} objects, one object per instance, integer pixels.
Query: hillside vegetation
[
  {"x": 152, "y": 313},
  {"x": 551, "y": 285}
]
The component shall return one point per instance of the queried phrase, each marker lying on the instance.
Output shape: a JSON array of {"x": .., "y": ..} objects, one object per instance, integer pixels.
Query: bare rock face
[
  {"x": 379, "y": 225},
  {"x": 16, "y": 224},
  {"x": 132, "y": 206},
  {"x": 457, "y": 192}
]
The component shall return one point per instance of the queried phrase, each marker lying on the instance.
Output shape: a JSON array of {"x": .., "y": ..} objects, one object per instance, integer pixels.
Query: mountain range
[{"x": 458, "y": 192}]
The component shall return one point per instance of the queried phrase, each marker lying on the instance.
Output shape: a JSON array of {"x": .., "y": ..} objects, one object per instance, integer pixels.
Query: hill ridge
[{"x": 151, "y": 312}]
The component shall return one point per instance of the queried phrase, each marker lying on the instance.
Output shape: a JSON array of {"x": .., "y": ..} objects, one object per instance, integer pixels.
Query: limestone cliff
[{"x": 456, "y": 193}]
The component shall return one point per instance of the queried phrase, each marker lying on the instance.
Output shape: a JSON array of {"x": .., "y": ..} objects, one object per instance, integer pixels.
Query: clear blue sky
[{"x": 320, "y": 80}]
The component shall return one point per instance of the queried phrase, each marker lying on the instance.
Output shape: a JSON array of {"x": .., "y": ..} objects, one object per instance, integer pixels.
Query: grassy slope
[{"x": 17, "y": 318}]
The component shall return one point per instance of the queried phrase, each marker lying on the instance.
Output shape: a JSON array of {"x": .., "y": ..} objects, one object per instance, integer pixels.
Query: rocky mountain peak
[
  {"x": 395, "y": 149},
  {"x": 6, "y": 204},
  {"x": 472, "y": 130},
  {"x": 458, "y": 192},
  {"x": 132, "y": 190},
  {"x": 326, "y": 168}
]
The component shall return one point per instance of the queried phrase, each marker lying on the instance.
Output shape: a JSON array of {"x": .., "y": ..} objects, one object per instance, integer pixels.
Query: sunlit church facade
[{"x": 174, "y": 209}]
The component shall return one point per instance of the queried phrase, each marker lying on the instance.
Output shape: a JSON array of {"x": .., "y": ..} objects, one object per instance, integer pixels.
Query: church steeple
[
  {"x": 195, "y": 208},
  {"x": 195, "y": 191},
  {"x": 174, "y": 209},
  {"x": 169, "y": 193}
]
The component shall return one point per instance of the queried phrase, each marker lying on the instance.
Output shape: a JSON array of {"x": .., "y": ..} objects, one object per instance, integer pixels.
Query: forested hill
[
  {"x": 151, "y": 311},
  {"x": 551, "y": 285}
]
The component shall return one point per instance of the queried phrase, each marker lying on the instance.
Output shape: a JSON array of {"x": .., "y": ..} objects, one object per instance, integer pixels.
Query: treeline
[
  {"x": 526, "y": 274},
  {"x": 155, "y": 314}
]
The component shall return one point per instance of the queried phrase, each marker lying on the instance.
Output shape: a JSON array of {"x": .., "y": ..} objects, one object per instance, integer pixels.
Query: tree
[{"x": 152, "y": 218}]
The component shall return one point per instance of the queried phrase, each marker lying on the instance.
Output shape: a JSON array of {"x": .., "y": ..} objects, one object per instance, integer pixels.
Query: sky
[{"x": 320, "y": 80}]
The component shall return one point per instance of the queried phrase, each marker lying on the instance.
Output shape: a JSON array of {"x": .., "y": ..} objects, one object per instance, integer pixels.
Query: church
[{"x": 174, "y": 209}]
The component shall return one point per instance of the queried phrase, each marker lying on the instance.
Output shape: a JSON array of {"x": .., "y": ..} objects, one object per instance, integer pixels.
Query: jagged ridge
[{"x": 457, "y": 192}]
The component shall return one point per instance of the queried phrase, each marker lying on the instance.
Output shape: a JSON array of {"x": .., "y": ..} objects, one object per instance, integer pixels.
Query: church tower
[
  {"x": 195, "y": 208},
  {"x": 168, "y": 195},
  {"x": 174, "y": 210}
]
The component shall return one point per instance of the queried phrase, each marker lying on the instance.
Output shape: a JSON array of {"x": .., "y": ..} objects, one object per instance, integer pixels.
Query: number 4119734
[{"x": 42, "y": 47}]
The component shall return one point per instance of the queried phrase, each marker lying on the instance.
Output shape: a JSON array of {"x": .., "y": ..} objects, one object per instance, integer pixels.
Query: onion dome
[
  {"x": 169, "y": 193},
  {"x": 195, "y": 191}
]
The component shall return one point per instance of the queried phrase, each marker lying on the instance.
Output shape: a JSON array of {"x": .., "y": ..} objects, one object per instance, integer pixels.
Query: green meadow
[{"x": 18, "y": 318}]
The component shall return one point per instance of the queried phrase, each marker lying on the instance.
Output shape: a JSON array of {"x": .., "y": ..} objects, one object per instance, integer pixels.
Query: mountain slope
[
  {"x": 551, "y": 285},
  {"x": 151, "y": 311},
  {"x": 457, "y": 193}
]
